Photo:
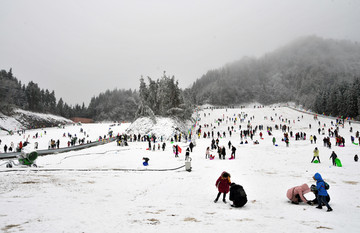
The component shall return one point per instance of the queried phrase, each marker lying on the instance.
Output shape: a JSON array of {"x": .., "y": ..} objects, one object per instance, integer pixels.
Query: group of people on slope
[
  {"x": 237, "y": 192},
  {"x": 322, "y": 198},
  {"x": 295, "y": 194}
]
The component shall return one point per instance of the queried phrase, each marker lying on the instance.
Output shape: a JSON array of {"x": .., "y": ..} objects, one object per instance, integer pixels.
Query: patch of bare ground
[
  {"x": 245, "y": 220},
  {"x": 351, "y": 182},
  {"x": 188, "y": 219},
  {"x": 322, "y": 227},
  {"x": 153, "y": 221},
  {"x": 30, "y": 182},
  {"x": 9, "y": 227}
]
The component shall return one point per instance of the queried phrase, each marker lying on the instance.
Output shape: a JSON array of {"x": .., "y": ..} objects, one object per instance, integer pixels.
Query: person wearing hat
[
  {"x": 223, "y": 185},
  {"x": 316, "y": 155},
  {"x": 322, "y": 193},
  {"x": 296, "y": 194}
]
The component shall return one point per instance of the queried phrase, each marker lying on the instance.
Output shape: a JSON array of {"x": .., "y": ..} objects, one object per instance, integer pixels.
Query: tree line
[
  {"x": 162, "y": 97},
  {"x": 319, "y": 74},
  {"x": 116, "y": 105}
]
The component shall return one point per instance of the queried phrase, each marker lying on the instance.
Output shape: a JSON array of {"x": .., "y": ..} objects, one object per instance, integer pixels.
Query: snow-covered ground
[{"x": 112, "y": 200}]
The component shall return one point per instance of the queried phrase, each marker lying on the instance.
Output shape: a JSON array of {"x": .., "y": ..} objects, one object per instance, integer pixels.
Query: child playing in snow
[{"x": 223, "y": 184}]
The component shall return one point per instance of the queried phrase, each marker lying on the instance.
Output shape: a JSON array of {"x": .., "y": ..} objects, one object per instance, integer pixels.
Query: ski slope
[{"x": 102, "y": 199}]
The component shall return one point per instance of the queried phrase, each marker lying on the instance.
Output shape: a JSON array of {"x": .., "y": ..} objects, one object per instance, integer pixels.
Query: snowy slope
[
  {"x": 162, "y": 127},
  {"x": 179, "y": 201},
  {"x": 24, "y": 119}
]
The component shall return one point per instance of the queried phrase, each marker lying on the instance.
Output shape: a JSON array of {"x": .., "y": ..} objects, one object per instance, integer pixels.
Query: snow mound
[
  {"x": 165, "y": 127},
  {"x": 22, "y": 119}
]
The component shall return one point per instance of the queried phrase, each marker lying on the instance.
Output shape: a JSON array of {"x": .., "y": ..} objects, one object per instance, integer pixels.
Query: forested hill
[{"x": 302, "y": 71}]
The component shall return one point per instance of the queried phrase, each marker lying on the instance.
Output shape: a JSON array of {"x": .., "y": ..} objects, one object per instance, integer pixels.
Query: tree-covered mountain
[
  {"x": 301, "y": 71},
  {"x": 162, "y": 97},
  {"x": 117, "y": 105}
]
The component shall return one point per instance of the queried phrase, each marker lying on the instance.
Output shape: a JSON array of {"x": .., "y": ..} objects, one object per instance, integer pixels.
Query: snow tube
[
  {"x": 341, "y": 146},
  {"x": 316, "y": 161},
  {"x": 276, "y": 145},
  {"x": 356, "y": 144},
  {"x": 338, "y": 162},
  {"x": 145, "y": 163}
]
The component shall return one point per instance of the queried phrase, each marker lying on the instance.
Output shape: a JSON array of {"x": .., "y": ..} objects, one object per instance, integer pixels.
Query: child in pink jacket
[{"x": 296, "y": 194}]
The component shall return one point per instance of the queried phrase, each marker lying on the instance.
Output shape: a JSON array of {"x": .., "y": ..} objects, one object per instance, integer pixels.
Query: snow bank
[
  {"x": 165, "y": 127},
  {"x": 24, "y": 119}
]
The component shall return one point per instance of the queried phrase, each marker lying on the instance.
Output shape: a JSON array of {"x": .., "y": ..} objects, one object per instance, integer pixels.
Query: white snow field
[{"x": 143, "y": 199}]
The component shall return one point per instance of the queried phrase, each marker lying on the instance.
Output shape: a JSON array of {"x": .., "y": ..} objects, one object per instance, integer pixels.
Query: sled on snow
[{"x": 338, "y": 162}]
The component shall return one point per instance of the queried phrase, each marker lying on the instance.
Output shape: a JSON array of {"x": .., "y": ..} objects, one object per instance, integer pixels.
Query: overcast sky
[{"x": 80, "y": 48}]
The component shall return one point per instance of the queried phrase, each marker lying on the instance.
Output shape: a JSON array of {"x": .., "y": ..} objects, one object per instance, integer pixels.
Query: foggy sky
[{"x": 80, "y": 48}]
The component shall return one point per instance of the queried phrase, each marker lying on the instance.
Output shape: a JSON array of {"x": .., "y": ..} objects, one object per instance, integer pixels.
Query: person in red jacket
[{"x": 223, "y": 184}]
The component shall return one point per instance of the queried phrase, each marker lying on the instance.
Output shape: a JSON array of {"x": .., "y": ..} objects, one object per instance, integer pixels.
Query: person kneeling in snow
[
  {"x": 146, "y": 161},
  {"x": 237, "y": 195},
  {"x": 296, "y": 194}
]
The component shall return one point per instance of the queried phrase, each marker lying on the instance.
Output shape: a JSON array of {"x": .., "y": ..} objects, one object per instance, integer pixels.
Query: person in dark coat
[
  {"x": 5, "y": 148},
  {"x": 333, "y": 156},
  {"x": 356, "y": 158},
  {"x": 176, "y": 151},
  {"x": 191, "y": 145},
  {"x": 187, "y": 154},
  {"x": 233, "y": 149},
  {"x": 223, "y": 152},
  {"x": 237, "y": 195},
  {"x": 219, "y": 151},
  {"x": 223, "y": 185},
  {"x": 322, "y": 193}
]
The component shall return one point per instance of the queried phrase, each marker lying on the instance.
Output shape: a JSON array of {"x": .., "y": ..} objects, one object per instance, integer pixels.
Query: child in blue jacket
[{"x": 322, "y": 193}]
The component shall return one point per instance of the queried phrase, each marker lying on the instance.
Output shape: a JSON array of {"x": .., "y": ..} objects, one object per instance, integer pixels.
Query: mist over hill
[{"x": 301, "y": 71}]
